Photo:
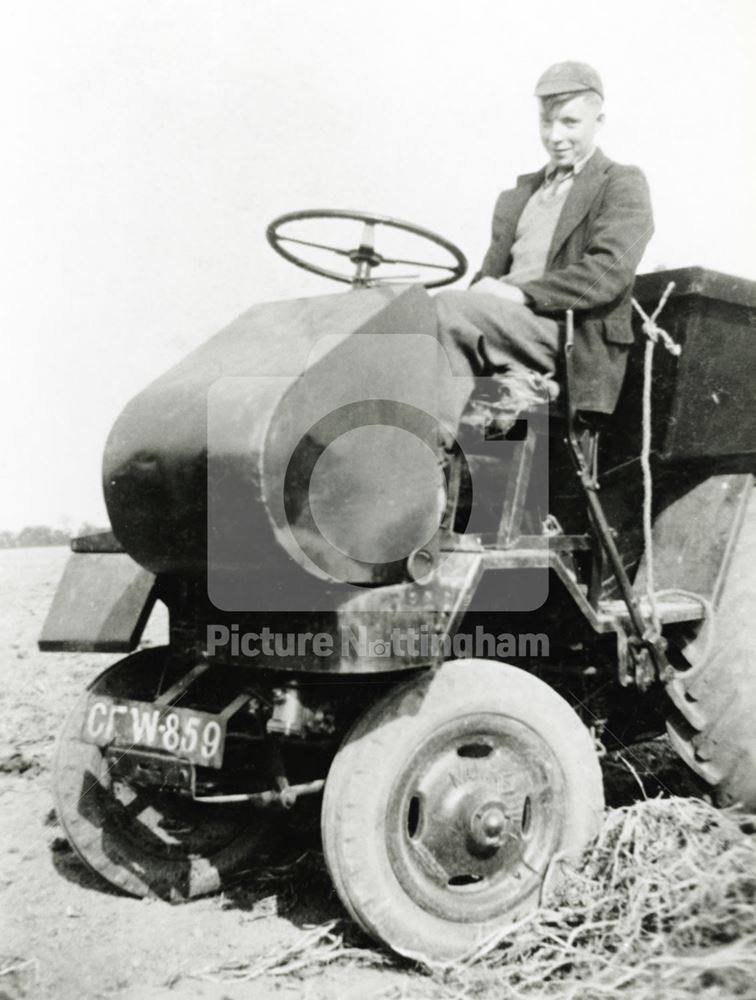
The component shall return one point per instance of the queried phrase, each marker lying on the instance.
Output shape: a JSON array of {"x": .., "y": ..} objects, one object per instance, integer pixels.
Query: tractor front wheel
[{"x": 448, "y": 801}]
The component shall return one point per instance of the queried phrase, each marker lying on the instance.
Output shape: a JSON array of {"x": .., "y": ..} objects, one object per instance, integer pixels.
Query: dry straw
[{"x": 663, "y": 906}]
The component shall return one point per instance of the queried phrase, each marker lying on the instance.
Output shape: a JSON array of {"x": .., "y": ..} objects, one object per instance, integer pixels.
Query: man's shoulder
[
  {"x": 624, "y": 181},
  {"x": 614, "y": 169},
  {"x": 606, "y": 170}
]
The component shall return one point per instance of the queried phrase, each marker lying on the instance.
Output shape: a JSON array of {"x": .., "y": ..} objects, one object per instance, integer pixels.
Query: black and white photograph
[{"x": 378, "y": 500}]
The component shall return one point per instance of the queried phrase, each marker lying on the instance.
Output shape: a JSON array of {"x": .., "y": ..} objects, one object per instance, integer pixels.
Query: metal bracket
[
  {"x": 174, "y": 692},
  {"x": 647, "y": 649}
]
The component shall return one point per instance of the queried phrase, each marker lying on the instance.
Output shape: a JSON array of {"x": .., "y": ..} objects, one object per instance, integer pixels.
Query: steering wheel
[{"x": 364, "y": 256}]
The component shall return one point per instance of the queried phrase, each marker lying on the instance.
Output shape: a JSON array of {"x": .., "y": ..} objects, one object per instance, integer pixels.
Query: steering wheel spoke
[
  {"x": 414, "y": 263},
  {"x": 364, "y": 256},
  {"x": 318, "y": 246},
  {"x": 394, "y": 279}
]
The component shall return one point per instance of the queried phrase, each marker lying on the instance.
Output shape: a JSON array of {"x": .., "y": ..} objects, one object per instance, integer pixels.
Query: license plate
[{"x": 197, "y": 737}]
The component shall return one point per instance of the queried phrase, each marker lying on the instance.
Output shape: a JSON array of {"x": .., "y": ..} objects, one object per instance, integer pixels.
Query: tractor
[{"x": 430, "y": 633}]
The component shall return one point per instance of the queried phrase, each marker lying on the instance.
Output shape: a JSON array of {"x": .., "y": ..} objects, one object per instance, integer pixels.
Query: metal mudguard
[{"x": 101, "y": 605}]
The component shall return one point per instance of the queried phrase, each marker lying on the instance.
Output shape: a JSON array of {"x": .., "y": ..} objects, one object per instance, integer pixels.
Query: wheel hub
[
  {"x": 488, "y": 824},
  {"x": 475, "y": 817}
]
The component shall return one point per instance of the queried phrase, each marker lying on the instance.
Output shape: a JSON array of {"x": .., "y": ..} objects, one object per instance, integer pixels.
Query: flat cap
[{"x": 568, "y": 78}]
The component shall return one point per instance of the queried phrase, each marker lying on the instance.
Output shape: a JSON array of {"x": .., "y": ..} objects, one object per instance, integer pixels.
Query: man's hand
[{"x": 492, "y": 286}]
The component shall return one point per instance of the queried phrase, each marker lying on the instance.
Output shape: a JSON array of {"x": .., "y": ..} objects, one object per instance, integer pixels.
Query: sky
[{"x": 148, "y": 143}]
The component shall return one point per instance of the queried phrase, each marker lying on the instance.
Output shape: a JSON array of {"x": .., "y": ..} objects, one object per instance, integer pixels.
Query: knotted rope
[{"x": 653, "y": 333}]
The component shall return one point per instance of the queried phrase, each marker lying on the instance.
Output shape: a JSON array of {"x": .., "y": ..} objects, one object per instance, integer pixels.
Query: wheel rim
[{"x": 474, "y": 817}]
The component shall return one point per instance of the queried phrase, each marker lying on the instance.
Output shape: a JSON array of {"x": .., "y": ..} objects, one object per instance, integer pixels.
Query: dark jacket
[{"x": 599, "y": 240}]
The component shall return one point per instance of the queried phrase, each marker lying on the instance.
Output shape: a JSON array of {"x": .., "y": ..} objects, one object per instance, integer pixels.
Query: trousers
[{"x": 483, "y": 335}]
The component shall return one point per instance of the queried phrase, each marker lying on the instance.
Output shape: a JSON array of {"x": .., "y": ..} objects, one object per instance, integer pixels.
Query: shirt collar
[{"x": 553, "y": 168}]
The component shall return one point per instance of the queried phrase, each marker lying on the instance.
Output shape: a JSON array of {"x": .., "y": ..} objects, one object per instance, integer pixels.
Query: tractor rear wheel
[
  {"x": 448, "y": 802},
  {"x": 145, "y": 841},
  {"x": 712, "y": 726}
]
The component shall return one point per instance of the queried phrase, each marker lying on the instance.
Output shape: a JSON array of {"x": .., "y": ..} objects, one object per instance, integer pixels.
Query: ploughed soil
[{"x": 64, "y": 934}]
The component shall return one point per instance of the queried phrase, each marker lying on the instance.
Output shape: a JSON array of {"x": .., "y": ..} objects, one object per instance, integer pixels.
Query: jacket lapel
[{"x": 578, "y": 201}]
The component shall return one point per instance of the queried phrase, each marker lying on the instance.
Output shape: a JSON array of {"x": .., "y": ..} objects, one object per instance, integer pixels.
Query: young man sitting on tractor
[{"x": 569, "y": 236}]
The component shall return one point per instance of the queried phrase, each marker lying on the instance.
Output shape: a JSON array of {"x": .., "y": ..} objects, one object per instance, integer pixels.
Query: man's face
[{"x": 569, "y": 127}]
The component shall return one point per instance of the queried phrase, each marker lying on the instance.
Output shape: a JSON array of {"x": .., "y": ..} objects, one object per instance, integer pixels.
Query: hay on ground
[{"x": 663, "y": 906}]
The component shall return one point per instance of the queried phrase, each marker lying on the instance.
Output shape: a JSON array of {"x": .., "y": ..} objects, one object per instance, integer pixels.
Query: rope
[
  {"x": 648, "y": 367},
  {"x": 653, "y": 334}
]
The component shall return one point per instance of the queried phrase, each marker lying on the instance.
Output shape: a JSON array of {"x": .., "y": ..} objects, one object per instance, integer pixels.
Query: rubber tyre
[
  {"x": 387, "y": 740},
  {"x": 713, "y": 728},
  {"x": 127, "y": 844}
]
